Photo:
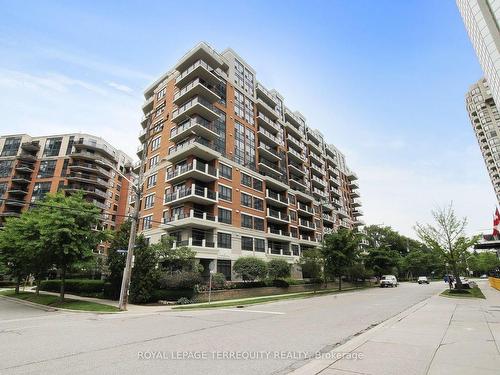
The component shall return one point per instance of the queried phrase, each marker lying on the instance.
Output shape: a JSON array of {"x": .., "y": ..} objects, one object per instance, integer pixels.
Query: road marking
[{"x": 255, "y": 311}]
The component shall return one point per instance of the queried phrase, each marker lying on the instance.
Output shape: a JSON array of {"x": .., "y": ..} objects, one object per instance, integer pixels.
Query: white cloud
[{"x": 120, "y": 87}]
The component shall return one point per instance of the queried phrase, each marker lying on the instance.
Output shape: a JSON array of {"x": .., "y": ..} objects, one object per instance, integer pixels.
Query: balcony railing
[
  {"x": 274, "y": 138},
  {"x": 307, "y": 223},
  {"x": 190, "y": 214},
  {"x": 198, "y": 242},
  {"x": 268, "y": 121},
  {"x": 277, "y": 197},
  {"x": 278, "y": 215},
  {"x": 195, "y": 165},
  {"x": 303, "y": 207},
  {"x": 192, "y": 67},
  {"x": 194, "y": 191},
  {"x": 191, "y": 103}
]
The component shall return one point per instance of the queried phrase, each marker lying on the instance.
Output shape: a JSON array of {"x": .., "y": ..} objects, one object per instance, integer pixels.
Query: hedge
[
  {"x": 76, "y": 286},
  {"x": 171, "y": 295}
]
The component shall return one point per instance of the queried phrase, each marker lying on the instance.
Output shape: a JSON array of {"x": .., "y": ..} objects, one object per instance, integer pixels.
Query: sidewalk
[{"x": 437, "y": 336}]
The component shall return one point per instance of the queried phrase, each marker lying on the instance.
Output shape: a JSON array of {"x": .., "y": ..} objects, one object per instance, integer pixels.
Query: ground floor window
[{"x": 224, "y": 267}]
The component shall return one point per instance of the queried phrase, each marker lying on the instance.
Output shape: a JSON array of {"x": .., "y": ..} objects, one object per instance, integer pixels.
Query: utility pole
[{"x": 127, "y": 272}]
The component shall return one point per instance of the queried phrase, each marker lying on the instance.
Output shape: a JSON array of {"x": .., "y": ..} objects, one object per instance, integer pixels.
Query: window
[
  {"x": 64, "y": 170},
  {"x": 258, "y": 204},
  {"x": 155, "y": 143},
  {"x": 224, "y": 240},
  {"x": 246, "y": 180},
  {"x": 244, "y": 146},
  {"x": 151, "y": 180},
  {"x": 224, "y": 267},
  {"x": 225, "y": 193},
  {"x": 257, "y": 184},
  {"x": 160, "y": 110},
  {"x": 149, "y": 201},
  {"x": 295, "y": 250},
  {"x": 5, "y": 167},
  {"x": 291, "y": 199},
  {"x": 11, "y": 146},
  {"x": 260, "y": 245},
  {"x": 153, "y": 161},
  {"x": 3, "y": 189},
  {"x": 52, "y": 146},
  {"x": 69, "y": 149},
  {"x": 40, "y": 190},
  {"x": 147, "y": 222},
  {"x": 258, "y": 223},
  {"x": 293, "y": 215},
  {"x": 246, "y": 221},
  {"x": 226, "y": 171},
  {"x": 47, "y": 168},
  {"x": 246, "y": 200},
  {"x": 161, "y": 93},
  {"x": 247, "y": 243},
  {"x": 225, "y": 216}
]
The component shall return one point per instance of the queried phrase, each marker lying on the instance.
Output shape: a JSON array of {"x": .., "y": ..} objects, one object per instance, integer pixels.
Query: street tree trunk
[
  {"x": 18, "y": 283},
  {"x": 38, "y": 282},
  {"x": 340, "y": 283}
]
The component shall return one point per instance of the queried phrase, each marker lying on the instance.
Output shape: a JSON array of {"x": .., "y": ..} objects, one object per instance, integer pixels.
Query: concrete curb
[
  {"x": 52, "y": 309},
  {"x": 315, "y": 366}
]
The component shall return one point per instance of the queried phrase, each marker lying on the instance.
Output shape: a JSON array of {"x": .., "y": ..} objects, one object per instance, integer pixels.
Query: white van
[{"x": 388, "y": 280}]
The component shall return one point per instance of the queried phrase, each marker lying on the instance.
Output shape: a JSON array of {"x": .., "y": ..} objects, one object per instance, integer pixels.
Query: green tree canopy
[{"x": 250, "y": 268}]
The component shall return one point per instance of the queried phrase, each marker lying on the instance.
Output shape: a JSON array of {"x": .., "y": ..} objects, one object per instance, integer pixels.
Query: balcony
[
  {"x": 356, "y": 202},
  {"x": 148, "y": 104},
  {"x": 17, "y": 190},
  {"x": 25, "y": 168},
  {"x": 86, "y": 155},
  {"x": 282, "y": 235},
  {"x": 298, "y": 184},
  {"x": 10, "y": 214},
  {"x": 269, "y": 138},
  {"x": 268, "y": 167},
  {"x": 358, "y": 223},
  {"x": 197, "y": 147},
  {"x": 336, "y": 203},
  {"x": 298, "y": 157},
  {"x": 333, "y": 181},
  {"x": 197, "y": 105},
  {"x": 198, "y": 69},
  {"x": 30, "y": 147},
  {"x": 102, "y": 148},
  {"x": 196, "y": 170},
  {"x": 297, "y": 169},
  {"x": 328, "y": 218},
  {"x": 294, "y": 142},
  {"x": 302, "y": 195},
  {"x": 318, "y": 182},
  {"x": 269, "y": 153},
  {"x": 277, "y": 216},
  {"x": 335, "y": 192},
  {"x": 357, "y": 213},
  {"x": 355, "y": 194},
  {"x": 264, "y": 107},
  {"x": 315, "y": 168},
  {"x": 89, "y": 167},
  {"x": 315, "y": 157},
  {"x": 304, "y": 209},
  {"x": 196, "y": 125},
  {"x": 276, "y": 199},
  {"x": 15, "y": 203},
  {"x": 342, "y": 213},
  {"x": 196, "y": 87},
  {"x": 87, "y": 190},
  {"x": 20, "y": 180},
  {"x": 267, "y": 123},
  {"x": 190, "y": 218},
  {"x": 26, "y": 157},
  {"x": 195, "y": 194},
  {"x": 352, "y": 176},
  {"x": 308, "y": 240},
  {"x": 306, "y": 224},
  {"x": 88, "y": 179},
  {"x": 265, "y": 95},
  {"x": 344, "y": 224},
  {"x": 319, "y": 194},
  {"x": 353, "y": 184}
]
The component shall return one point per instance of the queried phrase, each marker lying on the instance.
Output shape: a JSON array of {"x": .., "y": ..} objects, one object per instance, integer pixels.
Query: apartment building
[
  {"x": 31, "y": 167},
  {"x": 232, "y": 171},
  {"x": 485, "y": 120},
  {"x": 481, "y": 19}
]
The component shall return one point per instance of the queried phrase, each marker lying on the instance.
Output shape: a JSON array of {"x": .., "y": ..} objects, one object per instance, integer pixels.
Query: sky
[{"x": 384, "y": 81}]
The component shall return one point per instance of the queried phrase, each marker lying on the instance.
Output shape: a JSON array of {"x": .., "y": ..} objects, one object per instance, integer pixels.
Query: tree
[
  {"x": 382, "y": 260},
  {"x": 145, "y": 273},
  {"x": 278, "y": 269},
  {"x": 250, "y": 268},
  {"x": 340, "y": 251},
  {"x": 311, "y": 263},
  {"x": 447, "y": 236},
  {"x": 68, "y": 229},
  {"x": 116, "y": 260},
  {"x": 172, "y": 260}
]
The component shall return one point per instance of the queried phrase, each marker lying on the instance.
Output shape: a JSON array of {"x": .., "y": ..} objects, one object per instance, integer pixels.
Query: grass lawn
[
  {"x": 53, "y": 301},
  {"x": 263, "y": 299},
  {"x": 464, "y": 293}
]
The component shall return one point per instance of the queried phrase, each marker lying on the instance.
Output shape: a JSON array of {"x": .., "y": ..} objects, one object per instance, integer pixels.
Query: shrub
[
  {"x": 278, "y": 269},
  {"x": 75, "y": 286},
  {"x": 183, "y": 301},
  {"x": 218, "y": 281},
  {"x": 6, "y": 283},
  {"x": 279, "y": 283},
  {"x": 180, "y": 280},
  {"x": 170, "y": 295},
  {"x": 250, "y": 268},
  {"x": 247, "y": 284},
  {"x": 291, "y": 281}
]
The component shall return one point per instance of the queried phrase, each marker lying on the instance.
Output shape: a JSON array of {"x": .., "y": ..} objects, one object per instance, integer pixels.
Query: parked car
[
  {"x": 484, "y": 276},
  {"x": 388, "y": 280},
  {"x": 423, "y": 280}
]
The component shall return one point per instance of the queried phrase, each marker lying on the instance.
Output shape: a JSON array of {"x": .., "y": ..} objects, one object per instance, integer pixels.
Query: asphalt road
[{"x": 279, "y": 334}]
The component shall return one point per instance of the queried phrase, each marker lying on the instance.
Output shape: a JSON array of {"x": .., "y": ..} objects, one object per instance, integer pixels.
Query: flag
[{"x": 496, "y": 224}]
